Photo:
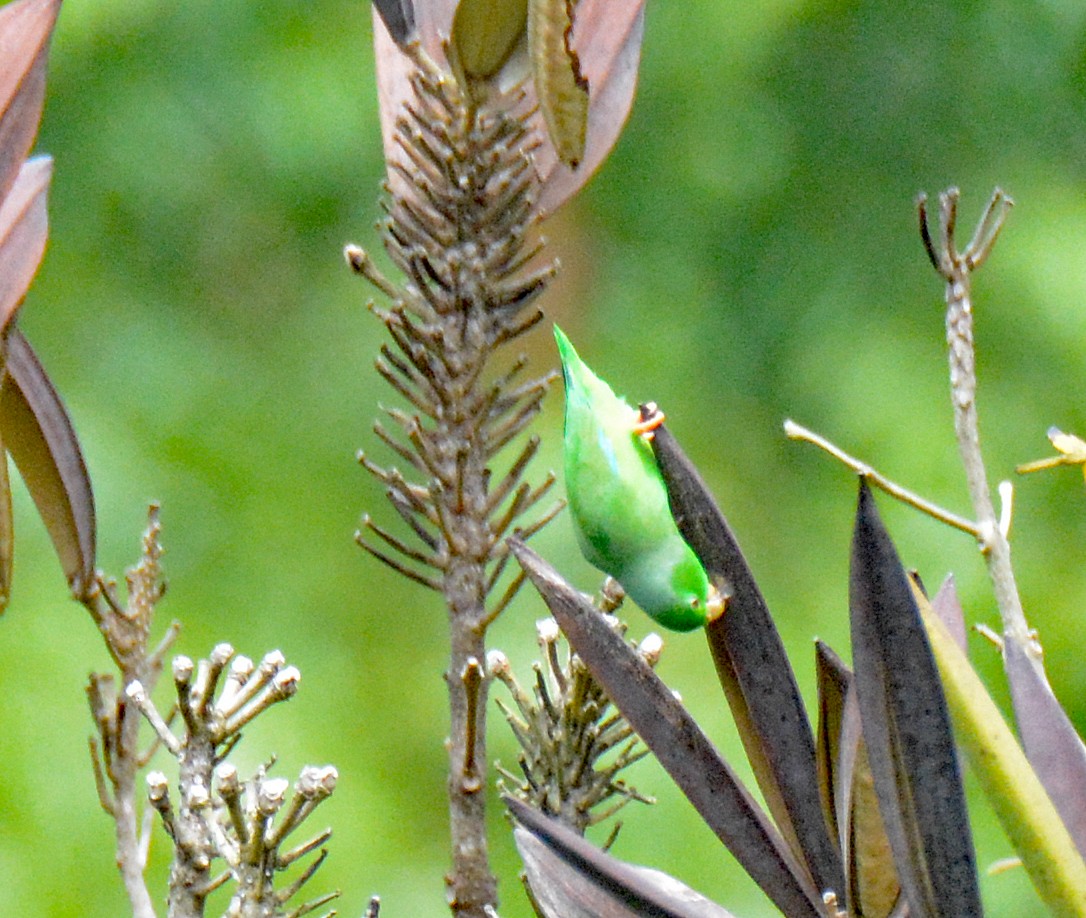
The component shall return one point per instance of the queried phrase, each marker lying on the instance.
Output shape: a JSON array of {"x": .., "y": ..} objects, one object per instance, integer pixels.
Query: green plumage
[{"x": 619, "y": 503}]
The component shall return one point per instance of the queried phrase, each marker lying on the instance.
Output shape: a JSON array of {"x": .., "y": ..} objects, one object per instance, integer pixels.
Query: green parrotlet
[{"x": 619, "y": 503}]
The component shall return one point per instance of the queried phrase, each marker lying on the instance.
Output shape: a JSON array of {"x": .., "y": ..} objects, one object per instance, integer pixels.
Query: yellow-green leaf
[
  {"x": 560, "y": 87},
  {"x": 1010, "y": 783},
  {"x": 485, "y": 34}
]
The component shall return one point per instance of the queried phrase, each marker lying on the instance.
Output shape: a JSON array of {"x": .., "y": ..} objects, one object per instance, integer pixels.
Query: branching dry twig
[
  {"x": 956, "y": 268},
  {"x": 216, "y": 817},
  {"x": 115, "y": 752}
]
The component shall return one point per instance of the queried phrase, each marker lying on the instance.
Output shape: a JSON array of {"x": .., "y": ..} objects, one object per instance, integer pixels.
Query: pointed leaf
[
  {"x": 607, "y": 40},
  {"x": 834, "y": 679},
  {"x": 754, "y": 671},
  {"x": 676, "y": 741},
  {"x": 560, "y": 87},
  {"x": 1051, "y": 743},
  {"x": 1010, "y": 783},
  {"x": 25, "y": 29},
  {"x": 484, "y": 34},
  {"x": 874, "y": 889},
  {"x": 906, "y": 728},
  {"x": 38, "y": 434},
  {"x": 948, "y": 607},
  {"x": 398, "y": 17},
  {"x": 571, "y": 878},
  {"x": 24, "y": 226}
]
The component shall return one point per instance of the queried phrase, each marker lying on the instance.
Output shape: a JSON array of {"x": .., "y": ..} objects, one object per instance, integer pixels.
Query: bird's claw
[{"x": 651, "y": 418}]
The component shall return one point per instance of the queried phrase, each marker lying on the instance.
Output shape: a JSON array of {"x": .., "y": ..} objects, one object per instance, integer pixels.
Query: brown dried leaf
[
  {"x": 24, "y": 227},
  {"x": 834, "y": 679},
  {"x": 25, "y": 29},
  {"x": 873, "y": 885},
  {"x": 607, "y": 39},
  {"x": 38, "y": 434},
  {"x": 560, "y": 86}
]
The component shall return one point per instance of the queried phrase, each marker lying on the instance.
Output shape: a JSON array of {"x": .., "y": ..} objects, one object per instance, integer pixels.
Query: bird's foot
[{"x": 651, "y": 418}]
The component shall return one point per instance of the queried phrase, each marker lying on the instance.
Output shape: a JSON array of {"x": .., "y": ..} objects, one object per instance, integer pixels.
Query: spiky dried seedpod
[{"x": 460, "y": 238}]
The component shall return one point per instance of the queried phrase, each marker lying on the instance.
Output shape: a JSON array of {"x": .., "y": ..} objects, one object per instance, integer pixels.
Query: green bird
[{"x": 619, "y": 502}]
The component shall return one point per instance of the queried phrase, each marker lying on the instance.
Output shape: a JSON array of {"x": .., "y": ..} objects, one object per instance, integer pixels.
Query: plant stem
[
  {"x": 956, "y": 269},
  {"x": 457, "y": 223},
  {"x": 117, "y": 756}
]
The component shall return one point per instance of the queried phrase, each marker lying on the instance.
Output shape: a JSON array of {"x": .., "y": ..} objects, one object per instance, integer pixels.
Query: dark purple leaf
[
  {"x": 38, "y": 434},
  {"x": 398, "y": 17},
  {"x": 24, "y": 226},
  {"x": 1049, "y": 739},
  {"x": 949, "y": 609},
  {"x": 677, "y": 742},
  {"x": 906, "y": 728},
  {"x": 571, "y": 878},
  {"x": 25, "y": 29},
  {"x": 754, "y": 671}
]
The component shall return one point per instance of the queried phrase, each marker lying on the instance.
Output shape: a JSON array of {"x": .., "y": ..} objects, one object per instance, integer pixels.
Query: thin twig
[{"x": 796, "y": 431}]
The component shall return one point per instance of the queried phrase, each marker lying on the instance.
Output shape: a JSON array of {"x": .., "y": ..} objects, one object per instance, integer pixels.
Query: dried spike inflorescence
[
  {"x": 573, "y": 741},
  {"x": 459, "y": 236},
  {"x": 462, "y": 200}
]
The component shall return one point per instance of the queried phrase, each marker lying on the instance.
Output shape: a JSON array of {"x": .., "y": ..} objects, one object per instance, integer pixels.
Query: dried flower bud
[
  {"x": 286, "y": 682},
  {"x": 273, "y": 661},
  {"x": 198, "y": 797},
  {"x": 651, "y": 648},
  {"x": 182, "y": 670},
  {"x": 241, "y": 668},
  {"x": 270, "y": 795},
  {"x": 497, "y": 663},
  {"x": 547, "y": 630},
  {"x": 317, "y": 782},
  {"x": 227, "y": 777},
  {"x": 158, "y": 787}
]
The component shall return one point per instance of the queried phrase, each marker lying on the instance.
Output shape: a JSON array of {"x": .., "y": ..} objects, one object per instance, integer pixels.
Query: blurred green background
[{"x": 749, "y": 253}]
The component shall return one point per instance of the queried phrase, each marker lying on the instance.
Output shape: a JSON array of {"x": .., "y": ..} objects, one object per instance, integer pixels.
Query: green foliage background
[{"x": 748, "y": 253}]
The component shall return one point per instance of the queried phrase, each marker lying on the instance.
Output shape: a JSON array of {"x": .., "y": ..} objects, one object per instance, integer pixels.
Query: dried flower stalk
[{"x": 457, "y": 228}]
